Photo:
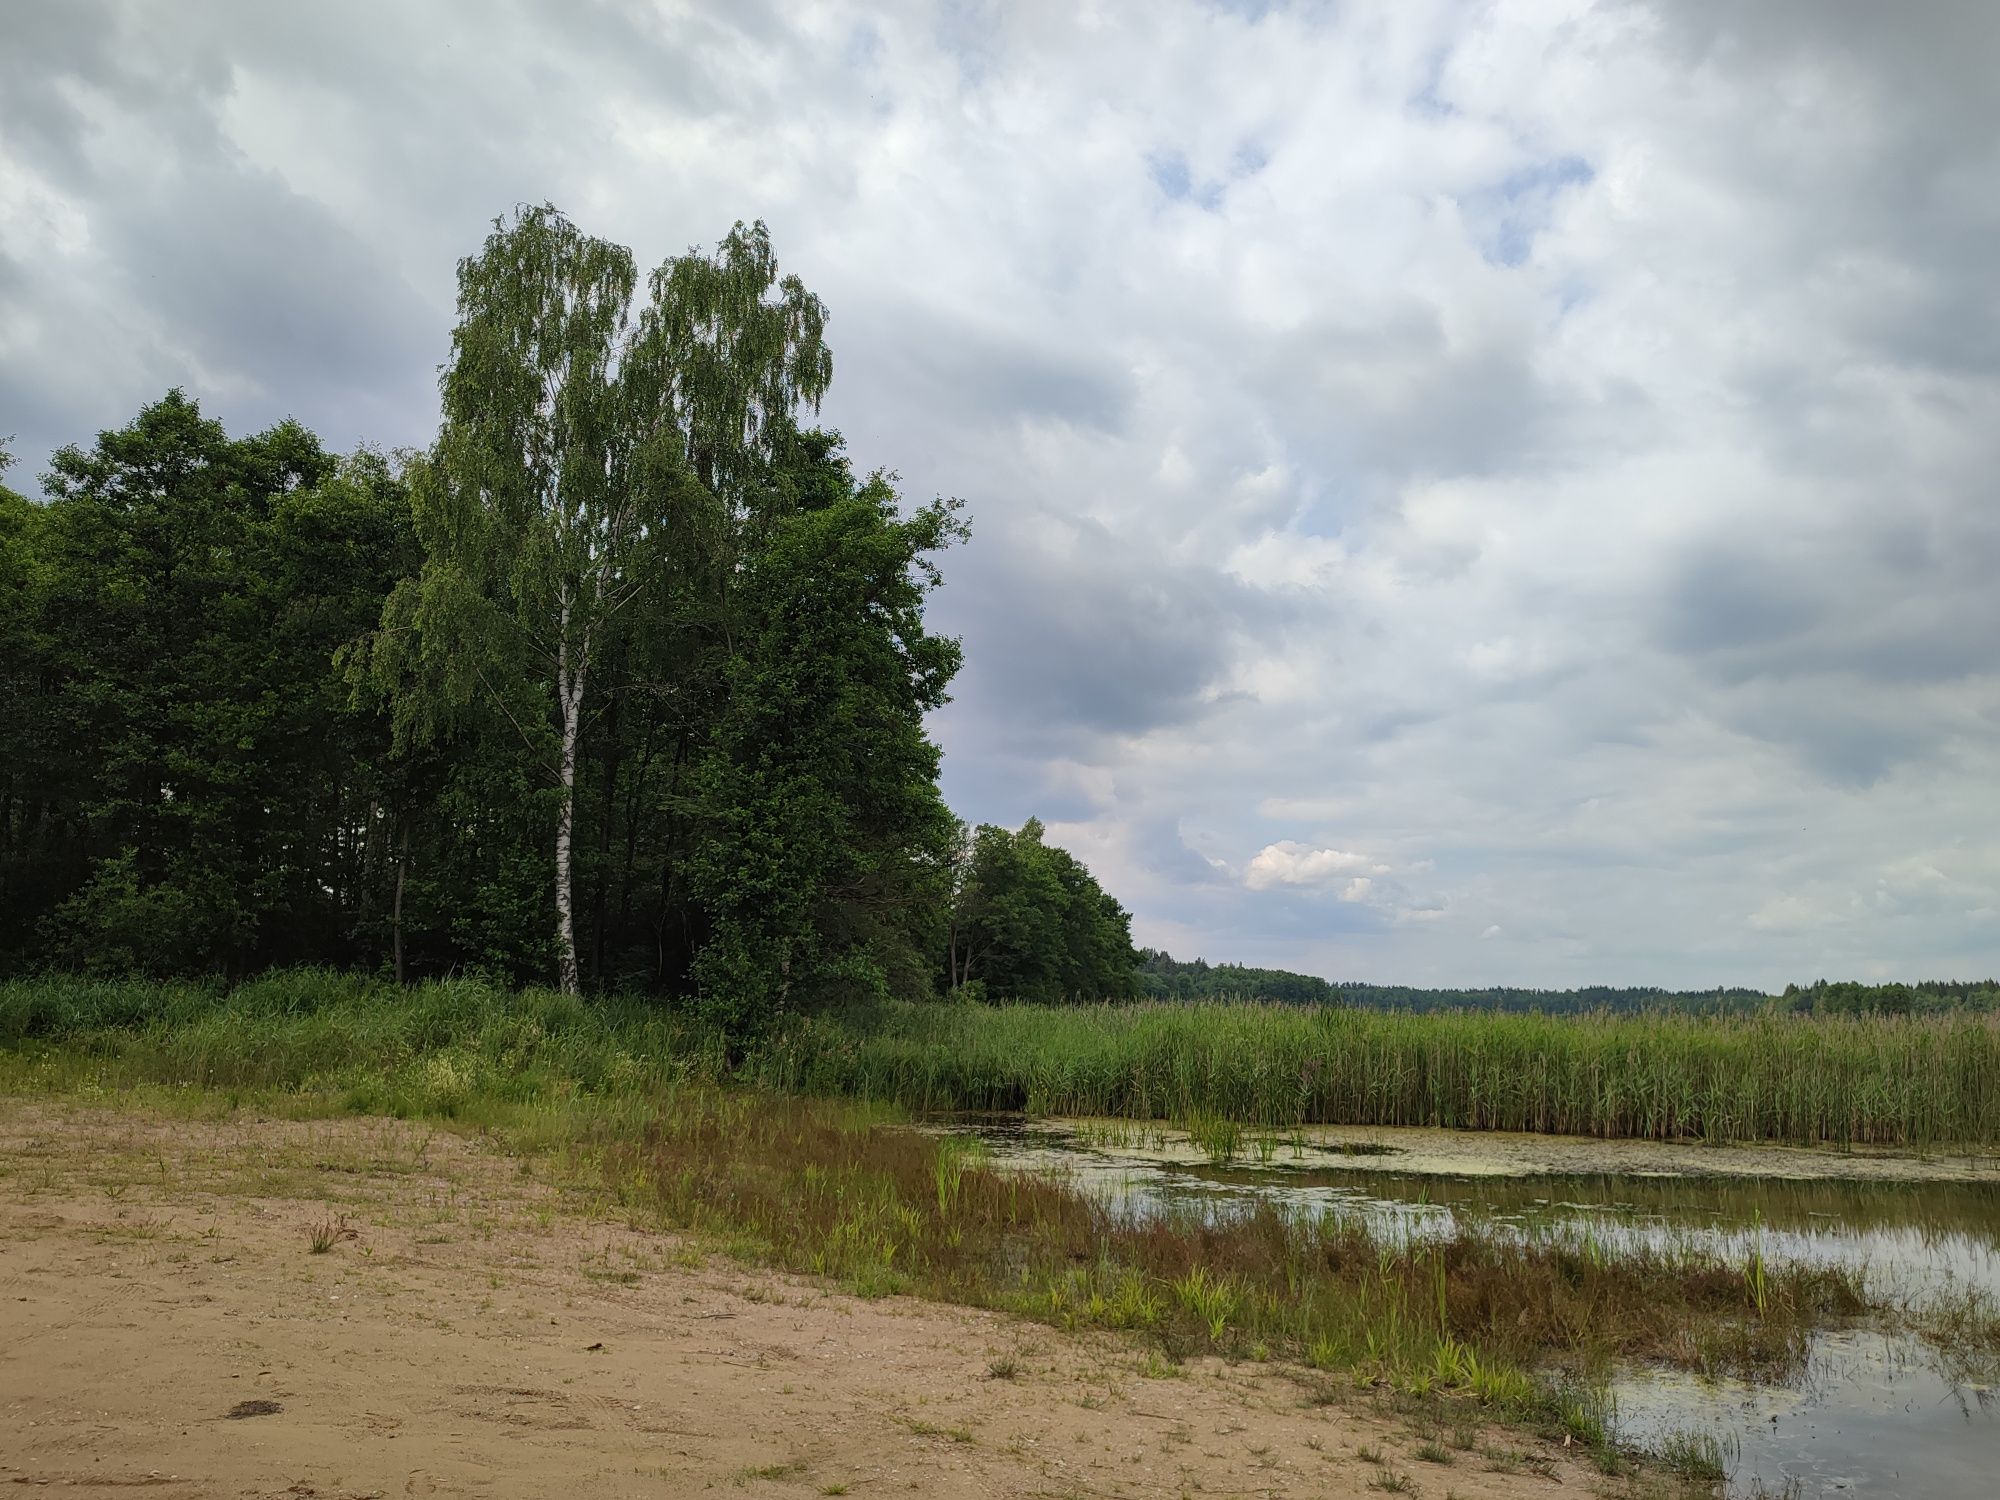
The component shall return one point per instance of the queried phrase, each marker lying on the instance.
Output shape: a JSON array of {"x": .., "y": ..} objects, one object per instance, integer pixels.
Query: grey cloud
[
  {"x": 55, "y": 46},
  {"x": 1166, "y": 852},
  {"x": 1093, "y": 635},
  {"x": 1876, "y": 605},
  {"x": 972, "y": 368},
  {"x": 1730, "y": 600}
]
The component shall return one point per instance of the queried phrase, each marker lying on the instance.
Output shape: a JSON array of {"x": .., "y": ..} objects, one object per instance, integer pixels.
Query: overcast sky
[{"x": 1461, "y": 492}]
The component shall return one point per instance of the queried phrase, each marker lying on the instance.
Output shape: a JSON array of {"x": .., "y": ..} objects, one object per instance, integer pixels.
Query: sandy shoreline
[{"x": 482, "y": 1335}]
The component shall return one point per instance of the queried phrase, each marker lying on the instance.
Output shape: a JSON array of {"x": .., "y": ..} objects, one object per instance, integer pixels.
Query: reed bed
[{"x": 1921, "y": 1082}]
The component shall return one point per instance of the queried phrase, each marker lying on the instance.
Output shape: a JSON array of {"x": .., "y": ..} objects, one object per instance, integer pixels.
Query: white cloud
[{"x": 1289, "y": 862}]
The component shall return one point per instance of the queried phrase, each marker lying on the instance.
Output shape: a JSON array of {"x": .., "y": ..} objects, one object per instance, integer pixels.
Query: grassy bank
[
  {"x": 1903, "y": 1081},
  {"x": 450, "y": 1049},
  {"x": 1891, "y": 1080}
]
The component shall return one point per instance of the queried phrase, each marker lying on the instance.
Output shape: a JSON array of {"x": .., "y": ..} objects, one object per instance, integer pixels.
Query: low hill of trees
[
  {"x": 1846, "y": 997},
  {"x": 1163, "y": 977}
]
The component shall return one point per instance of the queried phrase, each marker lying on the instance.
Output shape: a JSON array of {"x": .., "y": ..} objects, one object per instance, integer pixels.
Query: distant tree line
[
  {"x": 1163, "y": 977},
  {"x": 621, "y": 683},
  {"x": 1620, "y": 1000},
  {"x": 1030, "y": 923},
  {"x": 1821, "y": 998},
  {"x": 1846, "y": 997}
]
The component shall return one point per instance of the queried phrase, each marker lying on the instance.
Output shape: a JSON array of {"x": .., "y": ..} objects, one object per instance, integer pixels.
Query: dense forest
[
  {"x": 621, "y": 683},
  {"x": 1162, "y": 977},
  {"x": 1848, "y": 998}
]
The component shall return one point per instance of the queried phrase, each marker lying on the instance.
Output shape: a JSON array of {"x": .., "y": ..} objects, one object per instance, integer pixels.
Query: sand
[{"x": 474, "y": 1329}]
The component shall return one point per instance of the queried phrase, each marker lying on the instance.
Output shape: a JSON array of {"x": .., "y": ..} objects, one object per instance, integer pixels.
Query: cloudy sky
[{"x": 1496, "y": 493}]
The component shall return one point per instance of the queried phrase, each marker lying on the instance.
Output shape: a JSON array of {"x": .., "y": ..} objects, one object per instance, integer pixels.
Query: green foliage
[
  {"x": 1847, "y": 998},
  {"x": 542, "y": 509},
  {"x": 443, "y": 1047},
  {"x": 622, "y": 682},
  {"x": 825, "y": 866},
  {"x": 185, "y": 787},
  {"x": 1030, "y": 923},
  {"x": 1161, "y": 977}
]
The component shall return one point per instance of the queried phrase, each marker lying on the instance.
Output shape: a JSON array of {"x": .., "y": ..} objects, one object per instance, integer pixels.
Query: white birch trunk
[{"x": 569, "y": 692}]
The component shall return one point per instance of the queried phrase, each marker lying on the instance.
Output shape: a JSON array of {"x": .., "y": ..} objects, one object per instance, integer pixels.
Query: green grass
[{"x": 449, "y": 1049}]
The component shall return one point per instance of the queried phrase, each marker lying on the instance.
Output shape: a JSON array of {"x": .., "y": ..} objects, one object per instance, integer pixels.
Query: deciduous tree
[{"x": 578, "y": 448}]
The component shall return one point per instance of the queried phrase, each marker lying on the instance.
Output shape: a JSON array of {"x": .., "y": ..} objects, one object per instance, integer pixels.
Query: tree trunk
[
  {"x": 402, "y": 873},
  {"x": 569, "y": 690},
  {"x": 607, "y": 804}
]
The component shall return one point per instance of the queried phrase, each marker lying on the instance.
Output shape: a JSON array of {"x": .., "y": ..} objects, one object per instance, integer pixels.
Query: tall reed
[{"x": 1889, "y": 1080}]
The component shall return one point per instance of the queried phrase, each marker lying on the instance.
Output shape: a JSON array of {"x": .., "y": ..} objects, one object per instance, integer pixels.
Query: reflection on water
[{"x": 1874, "y": 1414}]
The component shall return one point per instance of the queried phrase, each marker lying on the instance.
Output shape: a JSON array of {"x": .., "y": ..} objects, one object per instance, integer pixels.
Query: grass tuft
[{"x": 323, "y": 1236}]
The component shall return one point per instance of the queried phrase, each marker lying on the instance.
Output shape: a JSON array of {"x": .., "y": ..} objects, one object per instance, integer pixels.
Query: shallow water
[{"x": 1873, "y": 1414}]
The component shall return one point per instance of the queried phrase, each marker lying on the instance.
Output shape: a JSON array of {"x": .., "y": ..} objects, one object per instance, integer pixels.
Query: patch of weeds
[
  {"x": 327, "y": 1233},
  {"x": 1392, "y": 1481},
  {"x": 787, "y": 1470},
  {"x": 1698, "y": 1457},
  {"x": 1004, "y": 1368},
  {"x": 931, "y": 1429}
]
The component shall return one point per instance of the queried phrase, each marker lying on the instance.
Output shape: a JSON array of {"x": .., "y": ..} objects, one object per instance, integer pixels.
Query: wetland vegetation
[
  {"x": 1929, "y": 1082},
  {"x": 1913, "y": 1082}
]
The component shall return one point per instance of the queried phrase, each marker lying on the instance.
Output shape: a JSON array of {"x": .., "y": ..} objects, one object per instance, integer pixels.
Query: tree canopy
[
  {"x": 622, "y": 682},
  {"x": 1029, "y": 922}
]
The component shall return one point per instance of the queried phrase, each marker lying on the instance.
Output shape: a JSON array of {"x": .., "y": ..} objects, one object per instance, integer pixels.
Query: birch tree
[{"x": 577, "y": 441}]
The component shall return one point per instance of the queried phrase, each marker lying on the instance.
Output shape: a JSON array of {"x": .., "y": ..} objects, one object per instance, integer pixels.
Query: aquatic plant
[{"x": 1912, "y": 1081}]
